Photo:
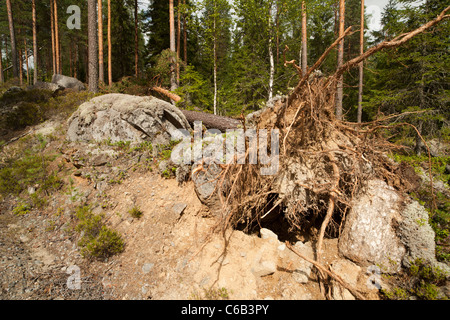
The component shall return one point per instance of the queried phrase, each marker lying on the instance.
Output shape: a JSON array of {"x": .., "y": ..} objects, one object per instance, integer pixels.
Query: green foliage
[
  {"x": 194, "y": 90},
  {"x": 136, "y": 212},
  {"x": 421, "y": 281},
  {"x": 97, "y": 240},
  {"x": 22, "y": 209},
  {"x": 211, "y": 294}
]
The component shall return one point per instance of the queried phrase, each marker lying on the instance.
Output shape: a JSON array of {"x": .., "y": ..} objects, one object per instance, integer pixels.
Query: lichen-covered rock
[
  {"x": 68, "y": 82},
  {"x": 121, "y": 117},
  {"x": 369, "y": 236},
  {"x": 385, "y": 230}
]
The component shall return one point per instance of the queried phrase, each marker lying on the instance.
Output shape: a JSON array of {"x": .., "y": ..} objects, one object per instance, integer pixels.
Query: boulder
[
  {"x": 53, "y": 87},
  {"x": 205, "y": 178},
  {"x": 121, "y": 117},
  {"x": 386, "y": 230},
  {"x": 68, "y": 82},
  {"x": 369, "y": 237}
]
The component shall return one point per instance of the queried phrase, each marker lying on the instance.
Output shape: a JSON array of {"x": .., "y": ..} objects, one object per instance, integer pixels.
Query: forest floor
[{"x": 170, "y": 252}]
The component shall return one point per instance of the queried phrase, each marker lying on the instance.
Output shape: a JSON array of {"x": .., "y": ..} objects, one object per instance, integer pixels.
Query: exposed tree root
[{"x": 323, "y": 165}]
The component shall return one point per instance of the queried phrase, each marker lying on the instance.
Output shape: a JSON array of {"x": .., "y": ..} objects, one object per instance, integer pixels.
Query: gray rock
[
  {"x": 120, "y": 117},
  {"x": 13, "y": 89},
  {"x": 146, "y": 268},
  {"x": 418, "y": 236},
  {"x": 303, "y": 268},
  {"x": 179, "y": 208},
  {"x": 349, "y": 272},
  {"x": 369, "y": 237},
  {"x": 264, "y": 268},
  {"x": 68, "y": 82},
  {"x": 53, "y": 87},
  {"x": 205, "y": 182},
  {"x": 266, "y": 234}
]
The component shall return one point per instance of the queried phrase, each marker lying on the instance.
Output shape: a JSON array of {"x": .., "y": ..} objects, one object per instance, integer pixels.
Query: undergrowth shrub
[{"x": 97, "y": 240}]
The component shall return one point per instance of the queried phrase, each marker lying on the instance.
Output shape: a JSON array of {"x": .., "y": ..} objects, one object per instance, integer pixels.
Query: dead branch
[
  {"x": 399, "y": 40},
  {"x": 167, "y": 93},
  {"x": 330, "y": 273}
]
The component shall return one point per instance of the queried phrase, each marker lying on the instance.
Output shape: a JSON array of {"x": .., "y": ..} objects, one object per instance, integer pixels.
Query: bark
[
  {"x": 185, "y": 34},
  {"x": 215, "y": 66},
  {"x": 101, "y": 65},
  {"x": 178, "y": 42},
  {"x": 26, "y": 60},
  {"x": 211, "y": 121},
  {"x": 35, "y": 46},
  {"x": 304, "y": 40},
  {"x": 168, "y": 94},
  {"x": 2, "y": 78},
  {"x": 340, "y": 84},
  {"x": 361, "y": 65},
  {"x": 20, "y": 67},
  {"x": 13, "y": 39},
  {"x": 92, "y": 46},
  {"x": 173, "y": 83},
  {"x": 52, "y": 22},
  {"x": 136, "y": 40},
  {"x": 57, "y": 47},
  {"x": 109, "y": 45},
  {"x": 398, "y": 41},
  {"x": 272, "y": 63}
]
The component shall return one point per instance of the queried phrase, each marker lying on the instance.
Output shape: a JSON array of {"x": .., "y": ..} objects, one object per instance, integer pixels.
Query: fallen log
[{"x": 211, "y": 121}]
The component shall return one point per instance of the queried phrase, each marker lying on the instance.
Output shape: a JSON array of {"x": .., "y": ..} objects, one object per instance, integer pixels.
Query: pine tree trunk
[
  {"x": 93, "y": 46},
  {"x": 215, "y": 66},
  {"x": 361, "y": 65},
  {"x": 272, "y": 63},
  {"x": 20, "y": 67},
  {"x": 185, "y": 33},
  {"x": 75, "y": 60},
  {"x": 340, "y": 85},
  {"x": 13, "y": 40},
  {"x": 136, "y": 39},
  {"x": 2, "y": 78},
  {"x": 109, "y": 45},
  {"x": 304, "y": 40},
  {"x": 178, "y": 42},
  {"x": 35, "y": 47},
  {"x": 57, "y": 47},
  {"x": 101, "y": 65},
  {"x": 173, "y": 83},
  {"x": 26, "y": 61},
  {"x": 52, "y": 22}
]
